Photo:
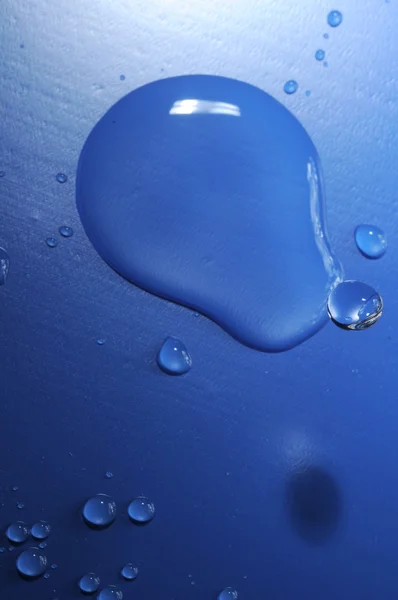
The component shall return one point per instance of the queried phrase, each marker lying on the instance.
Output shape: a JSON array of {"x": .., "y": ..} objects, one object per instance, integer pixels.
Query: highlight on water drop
[
  {"x": 354, "y": 305},
  {"x": 31, "y": 563},
  {"x": 17, "y": 532},
  {"x": 89, "y": 583},
  {"x": 129, "y": 572},
  {"x": 228, "y": 593},
  {"x": 290, "y": 86},
  {"x": 370, "y": 240},
  {"x": 173, "y": 357},
  {"x": 335, "y": 18},
  {"x": 141, "y": 510},
  {"x": 41, "y": 530},
  {"x": 4, "y": 265},
  {"x": 99, "y": 511}
]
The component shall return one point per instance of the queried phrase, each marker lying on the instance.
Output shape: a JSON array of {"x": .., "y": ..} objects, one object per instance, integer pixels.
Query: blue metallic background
[{"x": 241, "y": 453}]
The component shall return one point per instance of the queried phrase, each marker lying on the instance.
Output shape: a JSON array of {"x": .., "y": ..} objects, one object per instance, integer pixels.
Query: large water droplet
[
  {"x": 237, "y": 194},
  {"x": 41, "y": 530},
  {"x": 111, "y": 592},
  {"x": 89, "y": 583},
  {"x": 61, "y": 178},
  {"x": 354, "y": 305},
  {"x": 290, "y": 86},
  {"x": 173, "y": 357},
  {"x": 99, "y": 511},
  {"x": 66, "y": 231},
  {"x": 228, "y": 593},
  {"x": 4, "y": 265},
  {"x": 335, "y": 18},
  {"x": 320, "y": 54},
  {"x": 141, "y": 510},
  {"x": 129, "y": 572},
  {"x": 31, "y": 563},
  {"x": 370, "y": 240},
  {"x": 17, "y": 532}
]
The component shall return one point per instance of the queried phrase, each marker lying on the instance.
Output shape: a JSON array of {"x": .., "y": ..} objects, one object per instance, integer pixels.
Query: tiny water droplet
[
  {"x": 61, "y": 177},
  {"x": 129, "y": 572},
  {"x": 335, "y": 18},
  {"x": 43, "y": 545},
  {"x": 46, "y": 575},
  {"x": 354, "y": 305},
  {"x": 51, "y": 242},
  {"x": 320, "y": 54},
  {"x": 4, "y": 266},
  {"x": 110, "y": 592},
  {"x": 109, "y": 474},
  {"x": 89, "y": 583},
  {"x": 173, "y": 357},
  {"x": 326, "y": 36},
  {"x": 66, "y": 231},
  {"x": 2, "y": 549},
  {"x": 326, "y": 64},
  {"x": 122, "y": 77},
  {"x": 99, "y": 511},
  {"x": 2, "y": 173},
  {"x": 141, "y": 510},
  {"x": 227, "y": 593},
  {"x": 308, "y": 93},
  {"x": 11, "y": 548},
  {"x": 290, "y": 86},
  {"x": 17, "y": 532},
  {"x": 20, "y": 505},
  {"x": 41, "y": 530},
  {"x": 22, "y": 45},
  {"x": 370, "y": 240},
  {"x": 100, "y": 341},
  {"x": 31, "y": 563},
  {"x": 15, "y": 488},
  {"x": 54, "y": 566}
]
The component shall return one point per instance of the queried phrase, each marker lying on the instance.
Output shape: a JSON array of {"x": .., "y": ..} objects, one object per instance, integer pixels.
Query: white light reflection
[{"x": 207, "y": 107}]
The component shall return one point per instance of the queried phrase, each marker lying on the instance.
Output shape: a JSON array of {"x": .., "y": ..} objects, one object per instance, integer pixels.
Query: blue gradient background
[{"x": 215, "y": 449}]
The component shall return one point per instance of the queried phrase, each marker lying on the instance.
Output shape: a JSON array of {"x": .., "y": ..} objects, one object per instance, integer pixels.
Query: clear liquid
[
  {"x": 173, "y": 357},
  {"x": 371, "y": 241},
  {"x": 355, "y": 305},
  {"x": 31, "y": 563},
  {"x": 89, "y": 583},
  {"x": 141, "y": 510},
  {"x": 99, "y": 511}
]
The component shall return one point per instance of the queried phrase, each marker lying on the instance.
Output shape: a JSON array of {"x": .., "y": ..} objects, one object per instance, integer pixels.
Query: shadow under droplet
[{"x": 314, "y": 503}]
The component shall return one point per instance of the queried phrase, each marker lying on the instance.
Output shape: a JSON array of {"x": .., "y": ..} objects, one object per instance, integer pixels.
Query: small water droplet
[
  {"x": 99, "y": 511},
  {"x": 54, "y": 566},
  {"x": 290, "y": 86},
  {"x": 196, "y": 314},
  {"x": 320, "y": 54},
  {"x": 100, "y": 341},
  {"x": 122, "y": 77},
  {"x": 308, "y": 93},
  {"x": 370, "y": 240},
  {"x": 46, "y": 575},
  {"x": 227, "y": 593},
  {"x": 335, "y": 18},
  {"x": 66, "y": 231},
  {"x": 89, "y": 583},
  {"x": 326, "y": 64},
  {"x": 61, "y": 177},
  {"x": 141, "y": 510},
  {"x": 11, "y": 548},
  {"x": 129, "y": 572},
  {"x": 20, "y": 505},
  {"x": 22, "y": 45},
  {"x": 354, "y": 305},
  {"x": 326, "y": 36},
  {"x": 2, "y": 549},
  {"x": 173, "y": 357},
  {"x": 15, "y": 488},
  {"x": 41, "y": 530},
  {"x": 4, "y": 266},
  {"x": 17, "y": 532},
  {"x": 110, "y": 592},
  {"x": 109, "y": 474},
  {"x": 31, "y": 563},
  {"x": 43, "y": 545},
  {"x": 2, "y": 173},
  {"x": 51, "y": 242},
  {"x": 192, "y": 582}
]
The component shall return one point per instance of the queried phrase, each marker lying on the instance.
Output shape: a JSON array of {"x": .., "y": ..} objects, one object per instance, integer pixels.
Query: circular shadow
[{"x": 314, "y": 503}]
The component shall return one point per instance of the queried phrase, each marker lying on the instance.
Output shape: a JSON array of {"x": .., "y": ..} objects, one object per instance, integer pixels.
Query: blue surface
[{"x": 233, "y": 453}]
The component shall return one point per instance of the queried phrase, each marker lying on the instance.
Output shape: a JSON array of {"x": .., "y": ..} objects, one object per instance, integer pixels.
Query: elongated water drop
[
  {"x": 173, "y": 357},
  {"x": 354, "y": 305}
]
